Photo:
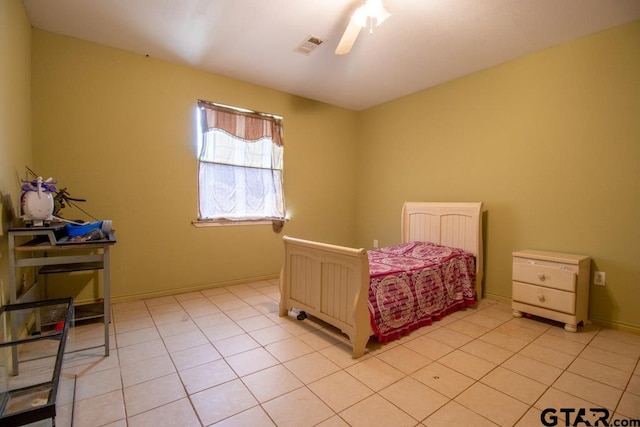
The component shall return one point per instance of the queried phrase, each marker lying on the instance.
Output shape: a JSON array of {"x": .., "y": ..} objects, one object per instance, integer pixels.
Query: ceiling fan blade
[{"x": 348, "y": 38}]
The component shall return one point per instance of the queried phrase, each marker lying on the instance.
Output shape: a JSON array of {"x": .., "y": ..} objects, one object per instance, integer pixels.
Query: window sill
[{"x": 223, "y": 223}]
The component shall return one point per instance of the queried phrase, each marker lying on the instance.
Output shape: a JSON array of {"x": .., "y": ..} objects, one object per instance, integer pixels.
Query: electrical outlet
[
  {"x": 598, "y": 278},
  {"x": 375, "y": 243}
]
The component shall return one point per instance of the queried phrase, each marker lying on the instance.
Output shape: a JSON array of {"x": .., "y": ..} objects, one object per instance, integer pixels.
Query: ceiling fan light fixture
[
  {"x": 372, "y": 9},
  {"x": 382, "y": 16},
  {"x": 360, "y": 17}
]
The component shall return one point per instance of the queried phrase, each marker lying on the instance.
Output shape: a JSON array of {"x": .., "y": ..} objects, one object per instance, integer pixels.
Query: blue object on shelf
[{"x": 74, "y": 230}]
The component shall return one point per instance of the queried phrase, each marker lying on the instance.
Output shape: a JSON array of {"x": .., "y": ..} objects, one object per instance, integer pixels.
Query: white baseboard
[
  {"x": 175, "y": 291},
  {"x": 621, "y": 326}
]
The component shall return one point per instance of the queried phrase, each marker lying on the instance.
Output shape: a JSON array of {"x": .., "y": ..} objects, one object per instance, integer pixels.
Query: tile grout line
[{"x": 374, "y": 355}]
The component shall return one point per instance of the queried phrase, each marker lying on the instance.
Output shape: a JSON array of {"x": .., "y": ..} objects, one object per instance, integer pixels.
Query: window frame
[{"x": 276, "y": 222}]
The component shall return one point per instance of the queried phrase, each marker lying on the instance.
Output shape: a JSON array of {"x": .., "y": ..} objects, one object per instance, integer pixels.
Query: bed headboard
[{"x": 456, "y": 224}]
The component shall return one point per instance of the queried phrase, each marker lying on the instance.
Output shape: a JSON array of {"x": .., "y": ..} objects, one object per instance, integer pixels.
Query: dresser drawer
[
  {"x": 543, "y": 275},
  {"x": 540, "y": 296}
]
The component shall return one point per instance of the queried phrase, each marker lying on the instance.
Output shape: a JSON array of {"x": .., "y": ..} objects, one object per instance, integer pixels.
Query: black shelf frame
[{"x": 46, "y": 410}]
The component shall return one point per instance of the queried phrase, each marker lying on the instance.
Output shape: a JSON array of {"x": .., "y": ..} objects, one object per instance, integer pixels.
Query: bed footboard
[{"x": 330, "y": 283}]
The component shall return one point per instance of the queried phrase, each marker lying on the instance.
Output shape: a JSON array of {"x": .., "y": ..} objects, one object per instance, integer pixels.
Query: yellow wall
[
  {"x": 15, "y": 115},
  {"x": 550, "y": 143},
  {"x": 119, "y": 130}
]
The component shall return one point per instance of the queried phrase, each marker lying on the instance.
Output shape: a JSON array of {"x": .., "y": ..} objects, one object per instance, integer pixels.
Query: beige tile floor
[{"x": 223, "y": 357}]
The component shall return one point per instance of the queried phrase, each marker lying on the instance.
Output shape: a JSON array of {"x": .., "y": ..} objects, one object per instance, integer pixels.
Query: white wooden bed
[{"x": 332, "y": 282}]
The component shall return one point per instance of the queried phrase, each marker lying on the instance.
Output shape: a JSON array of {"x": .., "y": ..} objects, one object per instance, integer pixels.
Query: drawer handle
[
  {"x": 542, "y": 277},
  {"x": 540, "y": 297}
]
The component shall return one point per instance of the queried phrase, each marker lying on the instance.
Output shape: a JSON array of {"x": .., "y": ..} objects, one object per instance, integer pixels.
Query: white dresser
[{"x": 551, "y": 285}]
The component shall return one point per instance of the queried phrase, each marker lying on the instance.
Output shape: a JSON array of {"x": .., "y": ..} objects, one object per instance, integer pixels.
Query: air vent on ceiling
[{"x": 309, "y": 44}]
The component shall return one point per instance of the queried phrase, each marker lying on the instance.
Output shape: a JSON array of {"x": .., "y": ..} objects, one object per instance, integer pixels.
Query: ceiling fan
[{"x": 371, "y": 10}]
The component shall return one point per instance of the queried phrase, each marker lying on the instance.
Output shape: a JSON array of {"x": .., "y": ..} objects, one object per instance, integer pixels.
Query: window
[{"x": 240, "y": 158}]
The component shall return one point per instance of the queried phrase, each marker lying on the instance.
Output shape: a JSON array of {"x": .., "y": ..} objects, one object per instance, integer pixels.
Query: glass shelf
[{"x": 32, "y": 341}]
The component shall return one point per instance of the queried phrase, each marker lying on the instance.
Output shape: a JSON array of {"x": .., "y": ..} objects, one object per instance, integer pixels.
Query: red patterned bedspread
[{"x": 413, "y": 284}]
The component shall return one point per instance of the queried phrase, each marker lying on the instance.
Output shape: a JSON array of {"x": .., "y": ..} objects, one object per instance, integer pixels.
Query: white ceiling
[{"x": 422, "y": 44}]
